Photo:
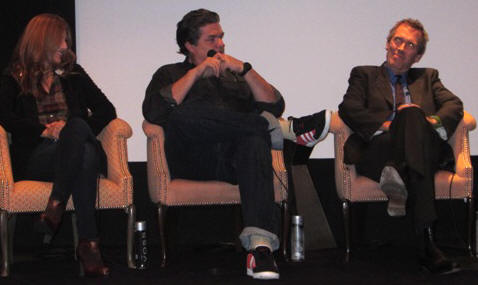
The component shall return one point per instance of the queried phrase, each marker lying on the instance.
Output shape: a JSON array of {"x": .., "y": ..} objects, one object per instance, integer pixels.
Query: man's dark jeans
[{"x": 206, "y": 143}]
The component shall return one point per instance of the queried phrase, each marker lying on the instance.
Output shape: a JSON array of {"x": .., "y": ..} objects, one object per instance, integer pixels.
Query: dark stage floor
[{"x": 390, "y": 264}]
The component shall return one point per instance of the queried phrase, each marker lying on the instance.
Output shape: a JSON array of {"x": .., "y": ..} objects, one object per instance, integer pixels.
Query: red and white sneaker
[
  {"x": 261, "y": 264},
  {"x": 311, "y": 129}
]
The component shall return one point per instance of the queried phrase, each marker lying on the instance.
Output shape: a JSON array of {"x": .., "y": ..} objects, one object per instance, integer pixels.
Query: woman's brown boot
[
  {"x": 50, "y": 219},
  {"x": 89, "y": 256}
]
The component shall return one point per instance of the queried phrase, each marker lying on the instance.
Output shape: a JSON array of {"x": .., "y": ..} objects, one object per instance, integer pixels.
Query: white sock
[
  {"x": 258, "y": 240},
  {"x": 287, "y": 130}
]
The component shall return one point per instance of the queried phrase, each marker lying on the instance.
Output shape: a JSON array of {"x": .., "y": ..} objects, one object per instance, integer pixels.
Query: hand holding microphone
[
  {"x": 211, "y": 66},
  {"x": 227, "y": 62}
]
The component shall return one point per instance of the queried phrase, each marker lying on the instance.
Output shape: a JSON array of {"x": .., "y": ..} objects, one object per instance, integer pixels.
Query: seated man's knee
[
  {"x": 411, "y": 118},
  {"x": 411, "y": 112},
  {"x": 412, "y": 115}
]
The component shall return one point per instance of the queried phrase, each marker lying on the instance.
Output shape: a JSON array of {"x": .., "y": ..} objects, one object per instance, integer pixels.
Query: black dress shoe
[
  {"x": 433, "y": 260},
  {"x": 437, "y": 263}
]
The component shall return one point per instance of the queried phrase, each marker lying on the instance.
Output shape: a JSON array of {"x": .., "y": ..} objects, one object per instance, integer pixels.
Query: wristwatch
[
  {"x": 245, "y": 68},
  {"x": 438, "y": 121}
]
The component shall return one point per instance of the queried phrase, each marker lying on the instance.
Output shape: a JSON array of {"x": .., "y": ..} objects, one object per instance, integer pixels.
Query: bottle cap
[
  {"x": 140, "y": 225},
  {"x": 297, "y": 220}
]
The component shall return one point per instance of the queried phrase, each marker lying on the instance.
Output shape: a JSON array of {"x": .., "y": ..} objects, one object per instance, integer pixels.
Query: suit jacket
[
  {"x": 19, "y": 113},
  {"x": 368, "y": 103}
]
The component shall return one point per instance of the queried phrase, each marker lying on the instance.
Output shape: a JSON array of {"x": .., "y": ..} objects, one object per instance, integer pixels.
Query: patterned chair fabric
[
  {"x": 26, "y": 196},
  {"x": 181, "y": 192},
  {"x": 352, "y": 187}
]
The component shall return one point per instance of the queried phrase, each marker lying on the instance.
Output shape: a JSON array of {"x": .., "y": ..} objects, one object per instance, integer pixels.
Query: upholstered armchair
[
  {"x": 115, "y": 190},
  {"x": 166, "y": 192},
  {"x": 352, "y": 188}
]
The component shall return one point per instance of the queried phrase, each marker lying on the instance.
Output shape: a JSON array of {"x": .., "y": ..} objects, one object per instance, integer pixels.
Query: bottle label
[
  {"x": 141, "y": 250},
  {"x": 297, "y": 243}
]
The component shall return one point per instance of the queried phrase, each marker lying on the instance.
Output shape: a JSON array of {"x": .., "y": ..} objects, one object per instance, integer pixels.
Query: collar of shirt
[
  {"x": 188, "y": 64},
  {"x": 393, "y": 77}
]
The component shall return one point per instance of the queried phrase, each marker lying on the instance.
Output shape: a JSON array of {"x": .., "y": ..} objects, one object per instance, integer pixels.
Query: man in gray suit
[{"x": 401, "y": 118}]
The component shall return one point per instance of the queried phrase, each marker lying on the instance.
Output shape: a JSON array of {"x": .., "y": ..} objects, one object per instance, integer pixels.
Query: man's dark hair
[{"x": 188, "y": 29}]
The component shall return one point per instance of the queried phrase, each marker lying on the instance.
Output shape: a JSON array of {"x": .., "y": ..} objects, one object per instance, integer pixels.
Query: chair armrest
[
  {"x": 280, "y": 178},
  {"x": 152, "y": 131},
  {"x": 468, "y": 121},
  {"x": 460, "y": 144},
  {"x": 337, "y": 126},
  {"x": 6, "y": 174},
  {"x": 157, "y": 166},
  {"x": 343, "y": 173},
  {"x": 113, "y": 139}
]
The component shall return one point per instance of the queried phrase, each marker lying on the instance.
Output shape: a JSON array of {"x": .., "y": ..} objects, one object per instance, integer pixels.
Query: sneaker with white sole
[
  {"x": 311, "y": 129},
  {"x": 261, "y": 264},
  {"x": 393, "y": 186}
]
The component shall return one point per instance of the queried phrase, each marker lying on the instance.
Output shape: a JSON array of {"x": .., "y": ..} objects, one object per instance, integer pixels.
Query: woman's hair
[{"x": 33, "y": 55}]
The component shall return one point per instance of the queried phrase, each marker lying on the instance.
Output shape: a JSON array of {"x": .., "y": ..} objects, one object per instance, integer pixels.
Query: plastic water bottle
[
  {"x": 297, "y": 246},
  {"x": 141, "y": 246}
]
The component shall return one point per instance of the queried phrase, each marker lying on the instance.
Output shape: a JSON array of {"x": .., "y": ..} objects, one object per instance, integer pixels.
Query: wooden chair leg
[
  {"x": 346, "y": 213},
  {"x": 5, "y": 268},
  {"x": 470, "y": 205},
  {"x": 162, "y": 209},
  {"x": 12, "y": 222},
  {"x": 285, "y": 230},
  {"x": 76, "y": 238},
  {"x": 131, "y": 215},
  {"x": 238, "y": 227}
]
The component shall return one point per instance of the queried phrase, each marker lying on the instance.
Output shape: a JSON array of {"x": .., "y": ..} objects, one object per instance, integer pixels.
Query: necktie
[{"x": 399, "y": 96}]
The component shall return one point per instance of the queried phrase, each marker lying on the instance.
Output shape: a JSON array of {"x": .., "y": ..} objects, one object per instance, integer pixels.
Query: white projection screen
[{"x": 306, "y": 48}]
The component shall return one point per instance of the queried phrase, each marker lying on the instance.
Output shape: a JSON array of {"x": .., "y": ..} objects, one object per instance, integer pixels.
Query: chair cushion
[
  {"x": 189, "y": 192},
  {"x": 367, "y": 190},
  {"x": 32, "y": 196}
]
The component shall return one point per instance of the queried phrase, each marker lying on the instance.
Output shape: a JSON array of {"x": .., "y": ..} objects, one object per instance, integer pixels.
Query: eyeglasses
[{"x": 398, "y": 41}]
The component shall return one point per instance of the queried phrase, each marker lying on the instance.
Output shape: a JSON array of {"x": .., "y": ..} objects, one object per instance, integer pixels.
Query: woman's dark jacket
[{"x": 19, "y": 114}]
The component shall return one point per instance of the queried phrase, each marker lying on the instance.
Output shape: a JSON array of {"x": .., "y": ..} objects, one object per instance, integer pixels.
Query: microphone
[{"x": 211, "y": 53}]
